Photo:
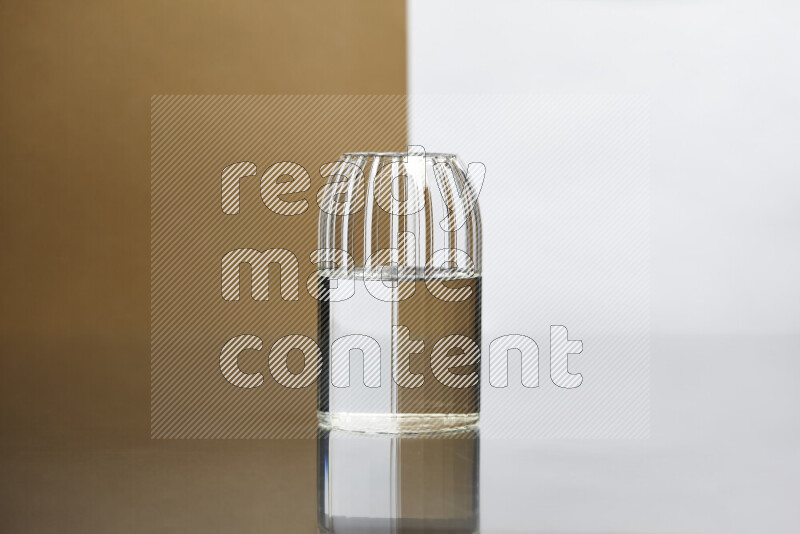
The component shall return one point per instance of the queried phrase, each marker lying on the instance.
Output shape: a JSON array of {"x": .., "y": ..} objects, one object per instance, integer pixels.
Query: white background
[
  {"x": 722, "y": 82},
  {"x": 722, "y": 78}
]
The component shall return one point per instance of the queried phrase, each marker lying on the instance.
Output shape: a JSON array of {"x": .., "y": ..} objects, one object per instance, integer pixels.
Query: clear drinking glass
[
  {"x": 400, "y": 292},
  {"x": 392, "y": 484}
]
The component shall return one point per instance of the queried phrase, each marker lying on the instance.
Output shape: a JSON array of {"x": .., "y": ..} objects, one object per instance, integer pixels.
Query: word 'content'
[{"x": 449, "y": 356}]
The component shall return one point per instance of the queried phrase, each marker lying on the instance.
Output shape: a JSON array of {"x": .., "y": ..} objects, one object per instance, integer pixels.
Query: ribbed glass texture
[{"x": 400, "y": 283}]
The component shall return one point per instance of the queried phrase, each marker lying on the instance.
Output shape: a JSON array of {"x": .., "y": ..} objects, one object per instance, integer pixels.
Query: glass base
[{"x": 396, "y": 423}]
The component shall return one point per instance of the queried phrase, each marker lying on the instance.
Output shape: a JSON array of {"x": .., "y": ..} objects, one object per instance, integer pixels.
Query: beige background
[{"x": 77, "y": 82}]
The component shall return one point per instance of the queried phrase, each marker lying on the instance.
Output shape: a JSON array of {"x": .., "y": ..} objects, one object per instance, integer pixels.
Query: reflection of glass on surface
[{"x": 373, "y": 483}]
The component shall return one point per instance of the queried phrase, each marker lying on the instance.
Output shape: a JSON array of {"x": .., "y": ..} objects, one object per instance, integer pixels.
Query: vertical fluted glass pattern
[
  {"x": 407, "y": 205},
  {"x": 400, "y": 281}
]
